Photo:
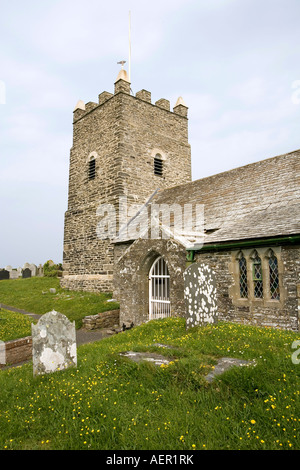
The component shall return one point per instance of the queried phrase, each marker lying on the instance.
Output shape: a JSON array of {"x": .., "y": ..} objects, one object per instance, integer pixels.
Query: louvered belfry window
[
  {"x": 92, "y": 169},
  {"x": 158, "y": 165}
]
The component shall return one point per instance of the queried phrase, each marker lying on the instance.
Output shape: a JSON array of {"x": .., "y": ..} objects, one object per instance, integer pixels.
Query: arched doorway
[{"x": 159, "y": 290}]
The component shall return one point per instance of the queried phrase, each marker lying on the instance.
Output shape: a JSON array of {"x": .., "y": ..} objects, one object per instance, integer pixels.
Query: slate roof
[
  {"x": 254, "y": 201},
  {"x": 259, "y": 200}
]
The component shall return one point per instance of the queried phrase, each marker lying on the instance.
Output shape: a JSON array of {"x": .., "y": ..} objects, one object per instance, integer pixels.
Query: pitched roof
[
  {"x": 254, "y": 201},
  {"x": 258, "y": 200}
]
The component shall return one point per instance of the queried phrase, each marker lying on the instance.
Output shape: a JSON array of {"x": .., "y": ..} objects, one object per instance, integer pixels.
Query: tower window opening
[
  {"x": 158, "y": 165},
  {"x": 92, "y": 169}
]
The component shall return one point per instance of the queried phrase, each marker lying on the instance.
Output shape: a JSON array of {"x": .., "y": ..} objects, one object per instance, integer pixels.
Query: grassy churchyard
[
  {"x": 110, "y": 402},
  {"x": 33, "y": 295}
]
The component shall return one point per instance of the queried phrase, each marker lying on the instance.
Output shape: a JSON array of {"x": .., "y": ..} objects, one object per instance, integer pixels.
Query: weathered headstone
[
  {"x": 13, "y": 274},
  {"x": 33, "y": 269},
  {"x": 53, "y": 343},
  {"x": 40, "y": 270},
  {"x": 200, "y": 293},
  {"x": 26, "y": 273},
  {"x": 4, "y": 274}
]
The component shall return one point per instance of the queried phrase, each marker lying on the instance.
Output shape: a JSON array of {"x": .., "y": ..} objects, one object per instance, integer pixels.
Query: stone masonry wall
[
  {"x": 123, "y": 133},
  {"x": 109, "y": 319},
  {"x": 18, "y": 350},
  {"x": 133, "y": 262},
  {"x": 259, "y": 312}
]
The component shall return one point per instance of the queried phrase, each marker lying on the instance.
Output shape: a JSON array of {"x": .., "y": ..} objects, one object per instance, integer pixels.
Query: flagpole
[{"x": 129, "y": 65}]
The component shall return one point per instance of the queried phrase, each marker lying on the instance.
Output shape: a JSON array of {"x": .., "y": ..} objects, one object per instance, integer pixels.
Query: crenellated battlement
[{"x": 122, "y": 85}]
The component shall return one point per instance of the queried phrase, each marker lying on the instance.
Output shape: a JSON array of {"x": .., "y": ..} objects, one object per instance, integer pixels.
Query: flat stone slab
[
  {"x": 224, "y": 364},
  {"x": 160, "y": 345},
  {"x": 156, "y": 359}
]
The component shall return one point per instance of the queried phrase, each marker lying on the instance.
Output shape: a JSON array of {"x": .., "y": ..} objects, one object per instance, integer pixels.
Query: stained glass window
[
  {"x": 243, "y": 277},
  {"x": 274, "y": 278},
  {"x": 257, "y": 277}
]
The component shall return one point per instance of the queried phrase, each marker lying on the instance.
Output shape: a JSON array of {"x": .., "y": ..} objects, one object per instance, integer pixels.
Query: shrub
[{"x": 52, "y": 270}]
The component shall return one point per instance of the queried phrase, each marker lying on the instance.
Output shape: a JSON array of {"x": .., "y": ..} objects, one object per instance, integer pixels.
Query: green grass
[
  {"x": 14, "y": 325},
  {"x": 33, "y": 295},
  {"x": 109, "y": 402}
]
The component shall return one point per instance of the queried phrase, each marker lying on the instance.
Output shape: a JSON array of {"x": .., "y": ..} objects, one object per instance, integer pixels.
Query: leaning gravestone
[
  {"x": 53, "y": 343},
  {"x": 200, "y": 293}
]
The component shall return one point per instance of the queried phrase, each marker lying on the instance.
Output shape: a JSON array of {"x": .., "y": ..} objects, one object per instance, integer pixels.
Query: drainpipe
[{"x": 190, "y": 256}]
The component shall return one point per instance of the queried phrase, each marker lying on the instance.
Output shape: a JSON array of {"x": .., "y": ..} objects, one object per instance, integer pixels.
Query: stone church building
[{"x": 129, "y": 152}]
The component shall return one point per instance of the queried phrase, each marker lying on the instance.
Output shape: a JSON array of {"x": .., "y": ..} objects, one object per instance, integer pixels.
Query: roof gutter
[{"x": 290, "y": 240}]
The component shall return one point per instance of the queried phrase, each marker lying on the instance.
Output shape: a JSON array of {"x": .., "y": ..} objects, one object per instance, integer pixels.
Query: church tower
[{"x": 123, "y": 146}]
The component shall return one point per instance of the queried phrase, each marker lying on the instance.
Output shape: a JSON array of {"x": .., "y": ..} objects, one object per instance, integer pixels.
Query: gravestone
[
  {"x": 53, "y": 343},
  {"x": 226, "y": 363},
  {"x": 40, "y": 271},
  {"x": 33, "y": 269},
  {"x": 4, "y": 274},
  {"x": 13, "y": 274},
  {"x": 200, "y": 293},
  {"x": 26, "y": 273}
]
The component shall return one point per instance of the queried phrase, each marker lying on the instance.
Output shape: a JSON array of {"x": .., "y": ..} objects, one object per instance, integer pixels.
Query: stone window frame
[
  {"x": 243, "y": 286},
  {"x": 264, "y": 254}
]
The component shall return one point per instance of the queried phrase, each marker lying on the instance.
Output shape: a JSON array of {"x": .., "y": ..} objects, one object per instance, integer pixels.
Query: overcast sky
[{"x": 235, "y": 63}]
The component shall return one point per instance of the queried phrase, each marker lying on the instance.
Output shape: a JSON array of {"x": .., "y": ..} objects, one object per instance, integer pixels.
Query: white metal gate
[{"x": 159, "y": 290}]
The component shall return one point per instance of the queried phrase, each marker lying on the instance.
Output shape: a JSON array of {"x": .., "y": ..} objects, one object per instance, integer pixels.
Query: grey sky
[{"x": 234, "y": 62}]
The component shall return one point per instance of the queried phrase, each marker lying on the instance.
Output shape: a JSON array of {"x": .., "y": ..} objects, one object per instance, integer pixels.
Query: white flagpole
[{"x": 129, "y": 67}]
